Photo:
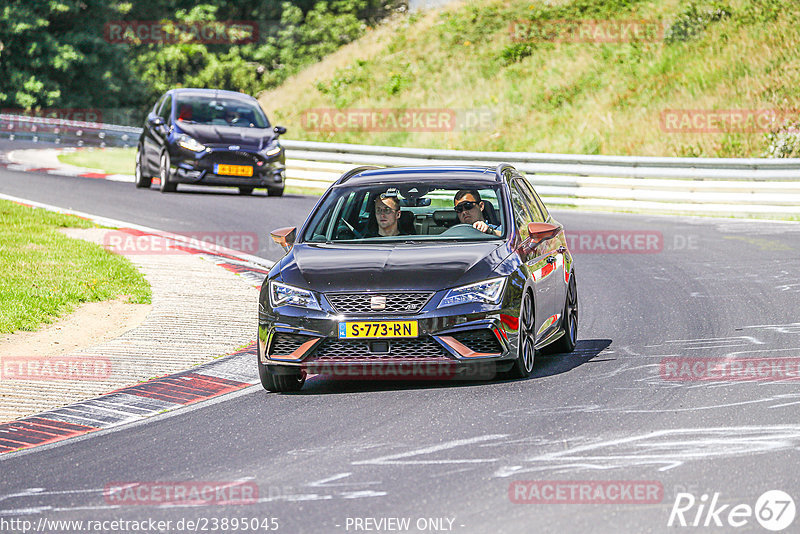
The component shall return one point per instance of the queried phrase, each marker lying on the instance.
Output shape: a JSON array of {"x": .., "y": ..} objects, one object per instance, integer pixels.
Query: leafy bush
[
  {"x": 784, "y": 142},
  {"x": 516, "y": 52},
  {"x": 54, "y": 54},
  {"x": 694, "y": 20}
]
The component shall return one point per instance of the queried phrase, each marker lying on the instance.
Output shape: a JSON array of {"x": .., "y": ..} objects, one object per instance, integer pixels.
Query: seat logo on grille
[{"x": 377, "y": 303}]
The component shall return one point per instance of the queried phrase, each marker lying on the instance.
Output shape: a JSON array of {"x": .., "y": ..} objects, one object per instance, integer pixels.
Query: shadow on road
[{"x": 545, "y": 365}]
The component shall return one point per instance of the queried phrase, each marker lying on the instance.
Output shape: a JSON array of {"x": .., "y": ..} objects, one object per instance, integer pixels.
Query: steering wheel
[
  {"x": 350, "y": 227},
  {"x": 460, "y": 229}
]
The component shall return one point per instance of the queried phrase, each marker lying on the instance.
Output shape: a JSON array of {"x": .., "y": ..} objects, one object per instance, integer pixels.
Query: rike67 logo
[{"x": 774, "y": 510}]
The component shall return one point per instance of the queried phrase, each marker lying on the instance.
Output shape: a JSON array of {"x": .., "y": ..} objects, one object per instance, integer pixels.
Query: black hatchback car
[
  {"x": 210, "y": 137},
  {"x": 420, "y": 268}
]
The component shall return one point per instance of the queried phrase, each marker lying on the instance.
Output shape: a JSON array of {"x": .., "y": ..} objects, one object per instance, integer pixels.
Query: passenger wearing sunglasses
[{"x": 469, "y": 207}]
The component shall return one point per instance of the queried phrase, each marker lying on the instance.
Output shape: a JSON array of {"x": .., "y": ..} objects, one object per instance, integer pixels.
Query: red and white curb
[
  {"x": 46, "y": 161},
  {"x": 229, "y": 373}
]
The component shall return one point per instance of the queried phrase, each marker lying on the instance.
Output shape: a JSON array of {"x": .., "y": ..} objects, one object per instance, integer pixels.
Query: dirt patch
[{"x": 90, "y": 324}]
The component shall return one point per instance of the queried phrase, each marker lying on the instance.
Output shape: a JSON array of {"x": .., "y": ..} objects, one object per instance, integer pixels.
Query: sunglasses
[
  {"x": 384, "y": 211},
  {"x": 466, "y": 205}
]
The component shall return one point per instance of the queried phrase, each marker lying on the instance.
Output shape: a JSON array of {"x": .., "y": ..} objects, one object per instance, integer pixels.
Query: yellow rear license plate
[
  {"x": 378, "y": 329},
  {"x": 234, "y": 170}
]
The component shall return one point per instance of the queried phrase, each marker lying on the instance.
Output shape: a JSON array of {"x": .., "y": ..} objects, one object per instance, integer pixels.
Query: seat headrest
[{"x": 445, "y": 217}]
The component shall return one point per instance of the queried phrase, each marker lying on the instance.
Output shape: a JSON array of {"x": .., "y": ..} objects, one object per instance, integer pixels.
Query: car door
[
  {"x": 535, "y": 261},
  {"x": 556, "y": 246},
  {"x": 155, "y": 134},
  {"x": 542, "y": 263}
]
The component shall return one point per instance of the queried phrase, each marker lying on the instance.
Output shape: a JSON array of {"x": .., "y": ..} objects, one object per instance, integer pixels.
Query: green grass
[
  {"x": 110, "y": 160},
  {"x": 562, "y": 97},
  {"x": 44, "y": 274}
]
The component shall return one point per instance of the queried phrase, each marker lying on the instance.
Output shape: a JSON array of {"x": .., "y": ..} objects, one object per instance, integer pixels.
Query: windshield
[
  {"x": 408, "y": 211},
  {"x": 196, "y": 109}
]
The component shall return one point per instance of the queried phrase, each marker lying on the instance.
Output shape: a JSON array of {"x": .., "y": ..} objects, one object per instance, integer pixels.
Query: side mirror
[
  {"x": 539, "y": 232},
  {"x": 280, "y": 130},
  {"x": 284, "y": 237},
  {"x": 156, "y": 121}
]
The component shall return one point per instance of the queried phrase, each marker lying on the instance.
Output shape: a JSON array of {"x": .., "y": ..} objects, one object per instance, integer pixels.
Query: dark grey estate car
[{"x": 444, "y": 289}]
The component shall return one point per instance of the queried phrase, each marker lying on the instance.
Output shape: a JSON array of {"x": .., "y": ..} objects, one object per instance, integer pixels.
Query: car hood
[
  {"x": 330, "y": 267},
  {"x": 252, "y": 138}
]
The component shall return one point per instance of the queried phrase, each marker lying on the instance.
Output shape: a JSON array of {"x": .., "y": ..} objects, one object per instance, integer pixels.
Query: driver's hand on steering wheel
[{"x": 481, "y": 226}]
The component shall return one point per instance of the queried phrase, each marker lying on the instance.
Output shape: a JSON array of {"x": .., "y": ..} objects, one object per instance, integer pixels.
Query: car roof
[
  {"x": 216, "y": 93},
  {"x": 428, "y": 173}
]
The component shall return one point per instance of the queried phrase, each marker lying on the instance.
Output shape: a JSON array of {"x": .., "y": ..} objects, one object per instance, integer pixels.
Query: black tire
[
  {"x": 143, "y": 178},
  {"x": 275, "y": 191},
  {"x": 167, "y": 186},
  {"x": 526, "y": 343},
  {"x": 281, "y": 383},
  {"x": 245, "y": 190},
  {"x": 567, "y": 342}
]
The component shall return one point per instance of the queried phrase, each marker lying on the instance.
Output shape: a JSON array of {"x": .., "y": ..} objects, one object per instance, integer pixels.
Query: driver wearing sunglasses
[{"x": 469, "y": 207}]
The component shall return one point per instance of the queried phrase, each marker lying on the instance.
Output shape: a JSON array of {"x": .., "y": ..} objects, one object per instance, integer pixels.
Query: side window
[
  {"x": 521, "y": 214},
  {"x": 166, "y": 109},
  {"x": 158, "y": 105},
  {"x": 536, "y": 199},
  {"x": 527, "y": 194}
]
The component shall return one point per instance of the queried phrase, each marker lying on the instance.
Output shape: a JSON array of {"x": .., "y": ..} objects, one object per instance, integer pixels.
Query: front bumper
[
  {"x": 199, "y": 168},
  {"x": 448, "y": 343}
]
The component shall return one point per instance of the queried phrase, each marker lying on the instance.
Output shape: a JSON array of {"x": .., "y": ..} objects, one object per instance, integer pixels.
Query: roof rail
[
  {"x": 500, "y": 169},
  {"x": 352, "y": 172}
]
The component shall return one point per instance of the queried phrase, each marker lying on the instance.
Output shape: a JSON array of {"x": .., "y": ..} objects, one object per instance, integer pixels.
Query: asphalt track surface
[{"x": 339, "y": 451}]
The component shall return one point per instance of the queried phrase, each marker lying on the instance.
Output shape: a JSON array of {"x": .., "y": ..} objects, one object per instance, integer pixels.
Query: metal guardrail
[
  {"x": 715, "y": 185},
  {"x": 689, "y": 185},
  {"x": 66, "y": 132}
]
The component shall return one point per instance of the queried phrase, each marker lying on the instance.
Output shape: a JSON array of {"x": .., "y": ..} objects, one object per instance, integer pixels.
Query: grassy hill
[{"x": 538, "y": 90}]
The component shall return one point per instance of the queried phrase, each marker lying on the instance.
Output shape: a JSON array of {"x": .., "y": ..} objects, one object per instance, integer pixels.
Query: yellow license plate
[
  {"x": 378, "y": 329},
  {"x": 234, "y": 170}
]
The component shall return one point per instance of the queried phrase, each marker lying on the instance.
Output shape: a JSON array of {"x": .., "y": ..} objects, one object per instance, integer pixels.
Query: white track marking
[
  {"x": 664, "y": 449},
  {"x": 398, "y": 459}
]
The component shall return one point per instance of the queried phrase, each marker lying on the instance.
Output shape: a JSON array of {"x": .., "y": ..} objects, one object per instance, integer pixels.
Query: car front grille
[
  {"x": 230, "y": 157},
  {"x": 407, "y": 303},
  {"x": 284, "y": 344},
  {"x": 419, "y": 349},
  {"x": 482, "y": 340}
]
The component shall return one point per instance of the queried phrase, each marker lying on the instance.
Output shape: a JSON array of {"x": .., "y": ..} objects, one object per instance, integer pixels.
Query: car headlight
[
  {"x": 274, "y": 150},
  {"x": 488, "y": 291},
  {"x": 190, "y": 143},
  {"x": 283, "y": 295}
]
